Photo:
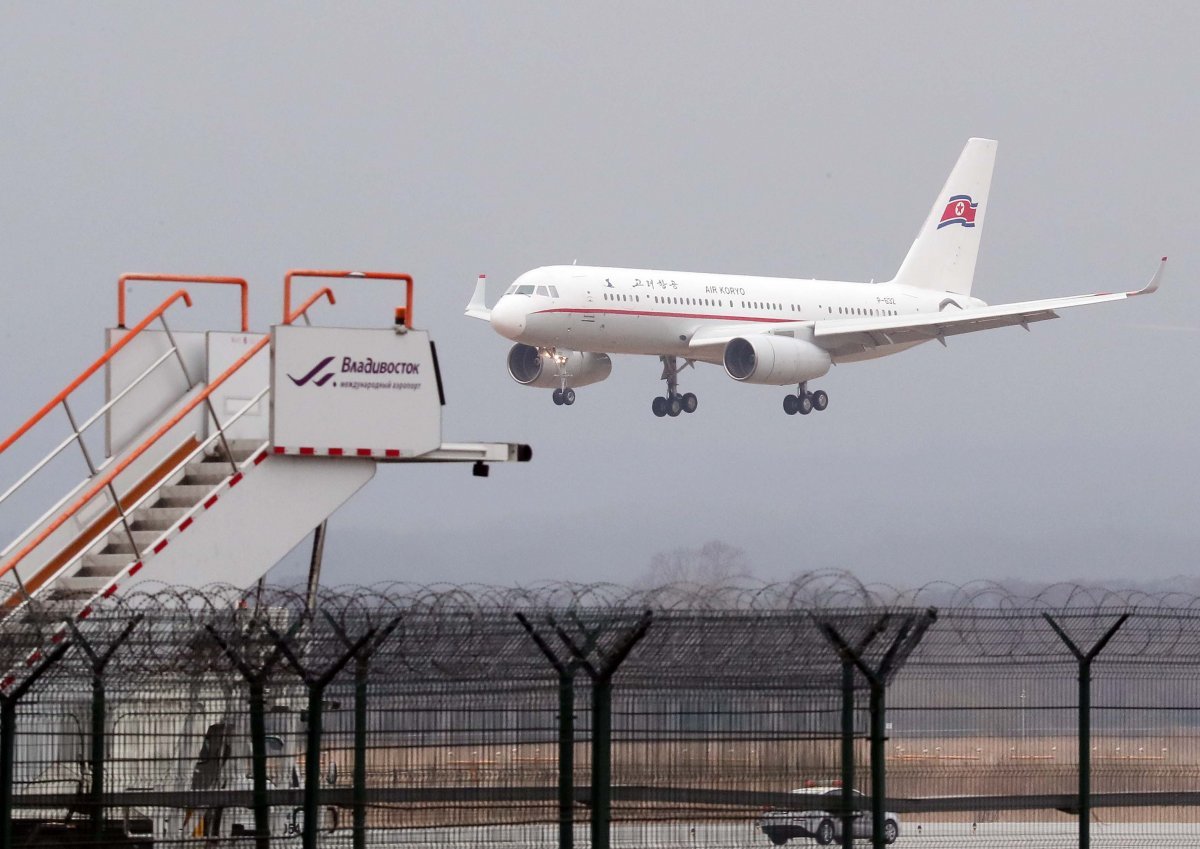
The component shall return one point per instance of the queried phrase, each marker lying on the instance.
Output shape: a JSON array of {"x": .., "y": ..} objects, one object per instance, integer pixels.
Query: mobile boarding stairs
[{"x": 222, "y": 449}]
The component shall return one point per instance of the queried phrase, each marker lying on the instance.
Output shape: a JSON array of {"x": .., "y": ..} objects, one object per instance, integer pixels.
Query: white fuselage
[{"x": 635, "y": 311}]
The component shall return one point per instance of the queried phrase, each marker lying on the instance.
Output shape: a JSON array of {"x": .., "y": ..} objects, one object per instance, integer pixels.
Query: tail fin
[{"x": 943, "y": 256}]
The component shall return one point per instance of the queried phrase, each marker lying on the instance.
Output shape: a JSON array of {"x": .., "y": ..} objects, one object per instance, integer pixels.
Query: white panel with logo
[{"x": 353, "y": 392}]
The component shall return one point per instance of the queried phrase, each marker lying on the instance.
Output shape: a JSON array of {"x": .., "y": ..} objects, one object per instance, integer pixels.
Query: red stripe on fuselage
[{"x": 667, "y": 314}]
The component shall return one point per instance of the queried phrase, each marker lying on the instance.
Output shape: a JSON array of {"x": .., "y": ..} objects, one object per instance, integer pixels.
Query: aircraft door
[{"x": 584, "y": 327}]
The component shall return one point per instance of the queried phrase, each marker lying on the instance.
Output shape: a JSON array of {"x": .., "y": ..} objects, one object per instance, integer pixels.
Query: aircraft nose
[{"x": 508, "y": 318}]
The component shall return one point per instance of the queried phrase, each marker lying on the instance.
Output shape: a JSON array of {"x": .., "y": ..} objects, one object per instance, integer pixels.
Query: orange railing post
[
  {"x": 183, "y": 278},
  {"x": 342, "y": 275}
]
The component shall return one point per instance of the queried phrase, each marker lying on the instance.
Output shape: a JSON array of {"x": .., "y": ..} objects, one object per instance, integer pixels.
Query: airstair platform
[{"x": 222, "y": 449}]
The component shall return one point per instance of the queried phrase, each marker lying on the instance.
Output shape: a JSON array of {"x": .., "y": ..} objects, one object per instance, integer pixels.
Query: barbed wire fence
[{"x": 594, "y": 716}]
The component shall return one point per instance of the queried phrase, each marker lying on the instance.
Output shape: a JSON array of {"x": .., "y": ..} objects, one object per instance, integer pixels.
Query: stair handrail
[
  {"x": 342, "y": 275},
  {"x": 302, "y": 310},
  {"x": 136, "y": 555},
  {"x": 110, "y": 475},
  {"x": 183, "y": 278},
  {"x": 96, "y": 366}
]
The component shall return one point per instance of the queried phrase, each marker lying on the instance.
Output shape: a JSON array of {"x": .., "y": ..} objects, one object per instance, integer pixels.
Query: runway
[{"x": 678, "y": 835}]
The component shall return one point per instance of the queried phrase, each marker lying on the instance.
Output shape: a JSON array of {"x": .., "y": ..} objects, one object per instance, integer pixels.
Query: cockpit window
[
  {"x": 510, "y": 290},
  {"x": 553, "y": 291},
  {"x": 524, "y": 290},
  {"x": 541, "y": 290}
]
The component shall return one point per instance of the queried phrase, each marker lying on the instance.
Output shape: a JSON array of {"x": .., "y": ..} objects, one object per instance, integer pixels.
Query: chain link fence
[{"x": 595, "y": 716}]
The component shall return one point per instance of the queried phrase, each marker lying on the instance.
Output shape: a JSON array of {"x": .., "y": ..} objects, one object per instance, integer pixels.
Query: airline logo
[
  {"x": 959, "y": 210},
  {"x": 353, "y": 366},
  {"x": 321, "y": 381}
]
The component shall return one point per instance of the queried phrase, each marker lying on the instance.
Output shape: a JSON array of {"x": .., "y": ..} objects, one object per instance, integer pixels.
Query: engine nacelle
[
  {"x": 530, "y": 367},
  {"x": 777, "y": 360}
]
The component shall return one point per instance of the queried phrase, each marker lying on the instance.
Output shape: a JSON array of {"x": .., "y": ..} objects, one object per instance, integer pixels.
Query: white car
[{"x": 813, "y": 817}]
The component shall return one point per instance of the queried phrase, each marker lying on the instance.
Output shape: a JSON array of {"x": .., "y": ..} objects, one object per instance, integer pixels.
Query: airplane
[{"x": 567, "y": 319}]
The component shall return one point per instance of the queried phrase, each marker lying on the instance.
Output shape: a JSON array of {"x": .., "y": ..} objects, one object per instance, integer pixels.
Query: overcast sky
[{"x": 803, "y": 140}]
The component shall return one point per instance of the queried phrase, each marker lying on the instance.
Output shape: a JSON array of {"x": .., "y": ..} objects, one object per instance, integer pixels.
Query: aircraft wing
[{"x": 846, "y": 337}]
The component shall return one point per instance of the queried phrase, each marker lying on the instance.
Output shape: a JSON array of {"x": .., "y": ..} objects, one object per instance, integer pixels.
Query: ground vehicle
[{"x": 814, "y": 817}]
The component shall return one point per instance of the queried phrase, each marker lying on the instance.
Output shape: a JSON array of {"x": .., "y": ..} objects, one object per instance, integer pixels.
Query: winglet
[
  {"x": 477, "y": 308},
  {"x": 1152, "y": 286}
]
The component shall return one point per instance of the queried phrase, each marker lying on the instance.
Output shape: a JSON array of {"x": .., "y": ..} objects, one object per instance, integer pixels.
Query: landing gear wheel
[
  {"x": 820, "y": 400},
  {"x": 568, "y": 396},
  {"x": 890, "y": 832},
  {"x": 789, "y": 404},
  {"x": 674, "y": 406},
  {"x": 659, "y": 406},
  {"x": 558, "y": 397},
  {"x": 804, "y": 405},
  {"x": 690, "y": 402},
  {"x": 825, "y": 833}
]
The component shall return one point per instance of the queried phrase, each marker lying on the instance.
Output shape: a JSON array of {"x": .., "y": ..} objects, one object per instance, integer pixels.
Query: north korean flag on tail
[{"x": 959, "y": 210}]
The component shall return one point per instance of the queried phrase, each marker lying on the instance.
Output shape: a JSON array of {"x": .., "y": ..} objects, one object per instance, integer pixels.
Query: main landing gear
[
  {"x": 804, "y": 402},
  {"x": 672, "y": 404},
  {"x": 564, "y": 396}
]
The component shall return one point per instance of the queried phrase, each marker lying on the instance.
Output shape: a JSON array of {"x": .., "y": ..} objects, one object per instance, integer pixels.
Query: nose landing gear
[
  {"x": 672, "y": 404},
  {"x": 804, "y": 402},
  {"x": 564, "y": 396}
]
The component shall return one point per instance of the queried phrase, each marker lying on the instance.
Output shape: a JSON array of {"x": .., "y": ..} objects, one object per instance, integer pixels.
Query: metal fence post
[
  {"x": 316, "y": 685},
  {"x": 1085, "y": 719},
  {"x": 908, "y": 634},
  {"x": 601, "y": 791},
  {"x": 847, "y": 754},
  {"x": 97, "y": 794},
  {"x": 257, "y": 695},
  {"x": 565, "y": 669},
  {"x": 99, "y": 716},
  {"x": 312, "y": 765},
  {"x": 360, "y": 753},
  {"x": 258, "y": 762},
  {"x": 362, "y": 663},
  {"x": 8, "y": 738},
  {"x": 878, "y": 711}
]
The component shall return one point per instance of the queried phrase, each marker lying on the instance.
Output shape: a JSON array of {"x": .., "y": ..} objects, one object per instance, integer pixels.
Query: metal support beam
[
  {"x": 1085, "y": 719},
  {"x": 314, "y": 567}
]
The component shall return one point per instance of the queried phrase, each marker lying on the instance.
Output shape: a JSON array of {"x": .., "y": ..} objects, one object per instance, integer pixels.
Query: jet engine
[
  {"x": 776, "y": 360},
  {"x": 529, "y": 366}
]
